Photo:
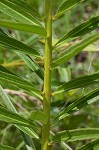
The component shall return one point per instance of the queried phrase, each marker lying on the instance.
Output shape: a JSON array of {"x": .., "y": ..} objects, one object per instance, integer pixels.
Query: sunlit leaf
[{"x": 76, "y": 135}]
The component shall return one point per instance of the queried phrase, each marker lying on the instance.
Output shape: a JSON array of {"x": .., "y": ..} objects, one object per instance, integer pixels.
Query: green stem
[{"x": 47, "y": 74}]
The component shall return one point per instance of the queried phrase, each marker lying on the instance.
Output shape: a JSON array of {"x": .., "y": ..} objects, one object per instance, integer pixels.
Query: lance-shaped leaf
[
  {"x": 23, "y": 27},
  {"x": 19, "y": 121},
  {"x": 74, "y": 50},
  {"x": 9, "y": 116},
  {"x": 5, "y": 147},
  {"x": 32, "y": 65},
  {"x": 8, "y": 104},
  {"x": 16, "y": 45},
  {"x": 78, "y": 104},
  {"x": 82, "y": 29},
  {"x": 76, "y": 135},
  {"x": 28, "y": 133},
  {"x": 78, "y": 83},
  {"x": 5, "y": 70},
  {"x": 29, "y": 61},
  {"x": 6, "y": 101},
  {"x": 18, "y": 82},
  {"x": 90, "y": 146},
  {"x": 65, "y": 6},
  {"x": 28, "y": 8},
  {"x": 18, "y": 11},
  {"x": 2, "y": 32}
]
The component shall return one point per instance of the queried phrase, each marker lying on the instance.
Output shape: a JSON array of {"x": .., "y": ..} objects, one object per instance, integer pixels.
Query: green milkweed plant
[{"x": 39, "y": 125}]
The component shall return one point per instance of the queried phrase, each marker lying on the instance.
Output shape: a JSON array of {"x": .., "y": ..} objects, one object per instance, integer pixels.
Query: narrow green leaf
[
  {"x": 76, "y": 135},
  {"x": 28, "y": 8},
  {"x": 78, "y": 104},
  {"x": 29, "y": 142},
  {"x": 18, "y": 11},
  {"x": 5, "y": 70},
  {"x": 6, "y": 100},
  {"x": 8, "y": 104},
  {"x": 78, "y": 83},
  {"x": 19, "y": 82},
  {"x": 29, "y": 133},
  {"x": 90, "y": 145},
  {"x": 29, "y": 61},
  {"x": 81, "y": 30},
  {"x": 65, "y": 6},
  {"x": 32, "y": 65},
  {"x": 9, "y": 116},
  {"x": 23, "y": 27},
  {"x": 5, "y": 147},
  {"x": 38, "y": 115},
  {"x": 2, "y": 31},
  {"x": 16, "y": 45},
  {"x": 75, "y": 49}
]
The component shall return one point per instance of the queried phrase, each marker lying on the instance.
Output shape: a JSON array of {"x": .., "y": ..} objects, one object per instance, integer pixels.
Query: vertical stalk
[{"x": 47, "y": 74}]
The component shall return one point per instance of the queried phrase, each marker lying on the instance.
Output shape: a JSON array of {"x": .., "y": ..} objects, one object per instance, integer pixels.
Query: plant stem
[{"x": 47, "y": 74}]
